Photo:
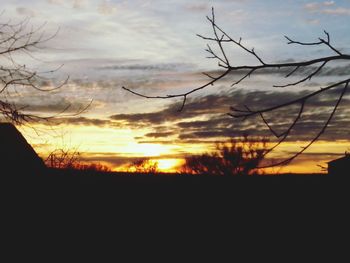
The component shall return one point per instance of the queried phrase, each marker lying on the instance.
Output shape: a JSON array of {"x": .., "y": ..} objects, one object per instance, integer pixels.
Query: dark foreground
[
  {"x": 173, "y": 213},
  {"x": 126, "y": 187},
  {"x": 161, "y": 197}
]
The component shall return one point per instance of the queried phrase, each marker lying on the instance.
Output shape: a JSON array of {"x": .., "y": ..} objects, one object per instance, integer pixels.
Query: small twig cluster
[{"x": 63, "y": 159}]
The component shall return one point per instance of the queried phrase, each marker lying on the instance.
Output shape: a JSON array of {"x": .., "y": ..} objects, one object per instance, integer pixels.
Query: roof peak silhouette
[{"x": 16, "y": 155}]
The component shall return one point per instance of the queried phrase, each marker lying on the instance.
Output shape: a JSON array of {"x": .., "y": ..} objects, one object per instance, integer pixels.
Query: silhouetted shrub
[
  {"x": 143, "y": 166},
  {"x": 237, "y": 157},
  {"x": 71, "y": 159},
  {"x": 95, "y": 167}
]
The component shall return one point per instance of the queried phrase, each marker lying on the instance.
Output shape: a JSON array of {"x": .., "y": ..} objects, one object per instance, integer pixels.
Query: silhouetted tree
[
  {"x": 16, "y": 40},
  {"x": 315, "y": 66},
  {"x": 237, "y": 157},
  {"x": 63, "y": 159}
]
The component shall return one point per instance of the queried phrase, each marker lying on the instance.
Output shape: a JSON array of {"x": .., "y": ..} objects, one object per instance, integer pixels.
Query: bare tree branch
[
  {"x": 22, "y": 39},
  {"x": 220, "y": 37}
]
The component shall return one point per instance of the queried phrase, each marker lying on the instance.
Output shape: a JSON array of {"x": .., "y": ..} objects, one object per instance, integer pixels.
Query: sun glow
[
  {"x": 117, "y": 148},
  {"x": 169, "y": 165},
  {"x": 147, "y": 149}
]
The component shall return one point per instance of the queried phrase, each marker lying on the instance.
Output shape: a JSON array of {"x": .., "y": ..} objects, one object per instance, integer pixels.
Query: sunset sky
[{"x": 151, "y": 47}]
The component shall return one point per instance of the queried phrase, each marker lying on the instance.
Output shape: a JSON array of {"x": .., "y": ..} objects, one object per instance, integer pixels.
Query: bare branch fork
[
  {"x": 20, "y": 38},
  {"x": 220, "y": 37}
]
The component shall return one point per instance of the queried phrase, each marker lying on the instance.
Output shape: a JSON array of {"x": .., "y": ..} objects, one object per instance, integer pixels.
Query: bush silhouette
[
  {"x": 71, "y": 159},
  {"x": 144, "y": 165},
  {"x": 240, "y": 156}
]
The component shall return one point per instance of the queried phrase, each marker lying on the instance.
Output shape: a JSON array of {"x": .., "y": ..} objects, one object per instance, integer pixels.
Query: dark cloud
[
  {"x": 342, "y": 70},
  {"x": 159, "y": 134},
  {"x": 149, "y": 67},
  {"x": 212, "y": 133},
  {"x": 211, "y": 104},
  {"x": 336, "y": 71},
  {"x": 85, "y": 121},
  {"x": 40, "y": 104},
  {"x": 214, "y": 123},
  {"x": 77, "y": 121},
  {"x": 152, "y": 141}
]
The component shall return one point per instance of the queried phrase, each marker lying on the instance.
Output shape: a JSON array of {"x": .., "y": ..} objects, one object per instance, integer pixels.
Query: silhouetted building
[
  {"x": 340, "y": 166},
  {"x": 17, "y": 157}
]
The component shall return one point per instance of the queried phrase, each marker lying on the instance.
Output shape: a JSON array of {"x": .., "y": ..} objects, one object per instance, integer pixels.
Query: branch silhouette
[
  {"x": 220, "y": 37},
  {"x": 22, "y": 39}
]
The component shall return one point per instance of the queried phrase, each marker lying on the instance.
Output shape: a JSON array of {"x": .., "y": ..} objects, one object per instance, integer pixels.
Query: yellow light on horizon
[
  {"x": 168, "y": 165},
  {"x": 99, "y": 142},
  {"x": 147, "y": 149}
]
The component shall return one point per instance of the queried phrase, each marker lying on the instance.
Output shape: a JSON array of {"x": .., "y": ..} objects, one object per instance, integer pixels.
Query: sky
[{"x": 151, "y": 47}]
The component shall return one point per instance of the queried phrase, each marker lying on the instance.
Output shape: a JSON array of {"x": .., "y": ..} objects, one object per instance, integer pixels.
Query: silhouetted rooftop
[
  {"x": 340, "y": 166},
  {"x": 16, "y": 154},
  {"x": 342, "y": 159}
]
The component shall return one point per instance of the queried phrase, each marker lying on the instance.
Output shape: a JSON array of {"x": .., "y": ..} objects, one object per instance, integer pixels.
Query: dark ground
[
  {"x": 144, "y": 198},
  {"x": 270, "y": 217},
  {"x": 131, "y": 187}
]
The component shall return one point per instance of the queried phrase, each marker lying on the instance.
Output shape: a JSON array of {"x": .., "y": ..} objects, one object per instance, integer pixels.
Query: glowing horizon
[
  {"x": 118, "y": 155},
  {"x": 152, "y": 48}
]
